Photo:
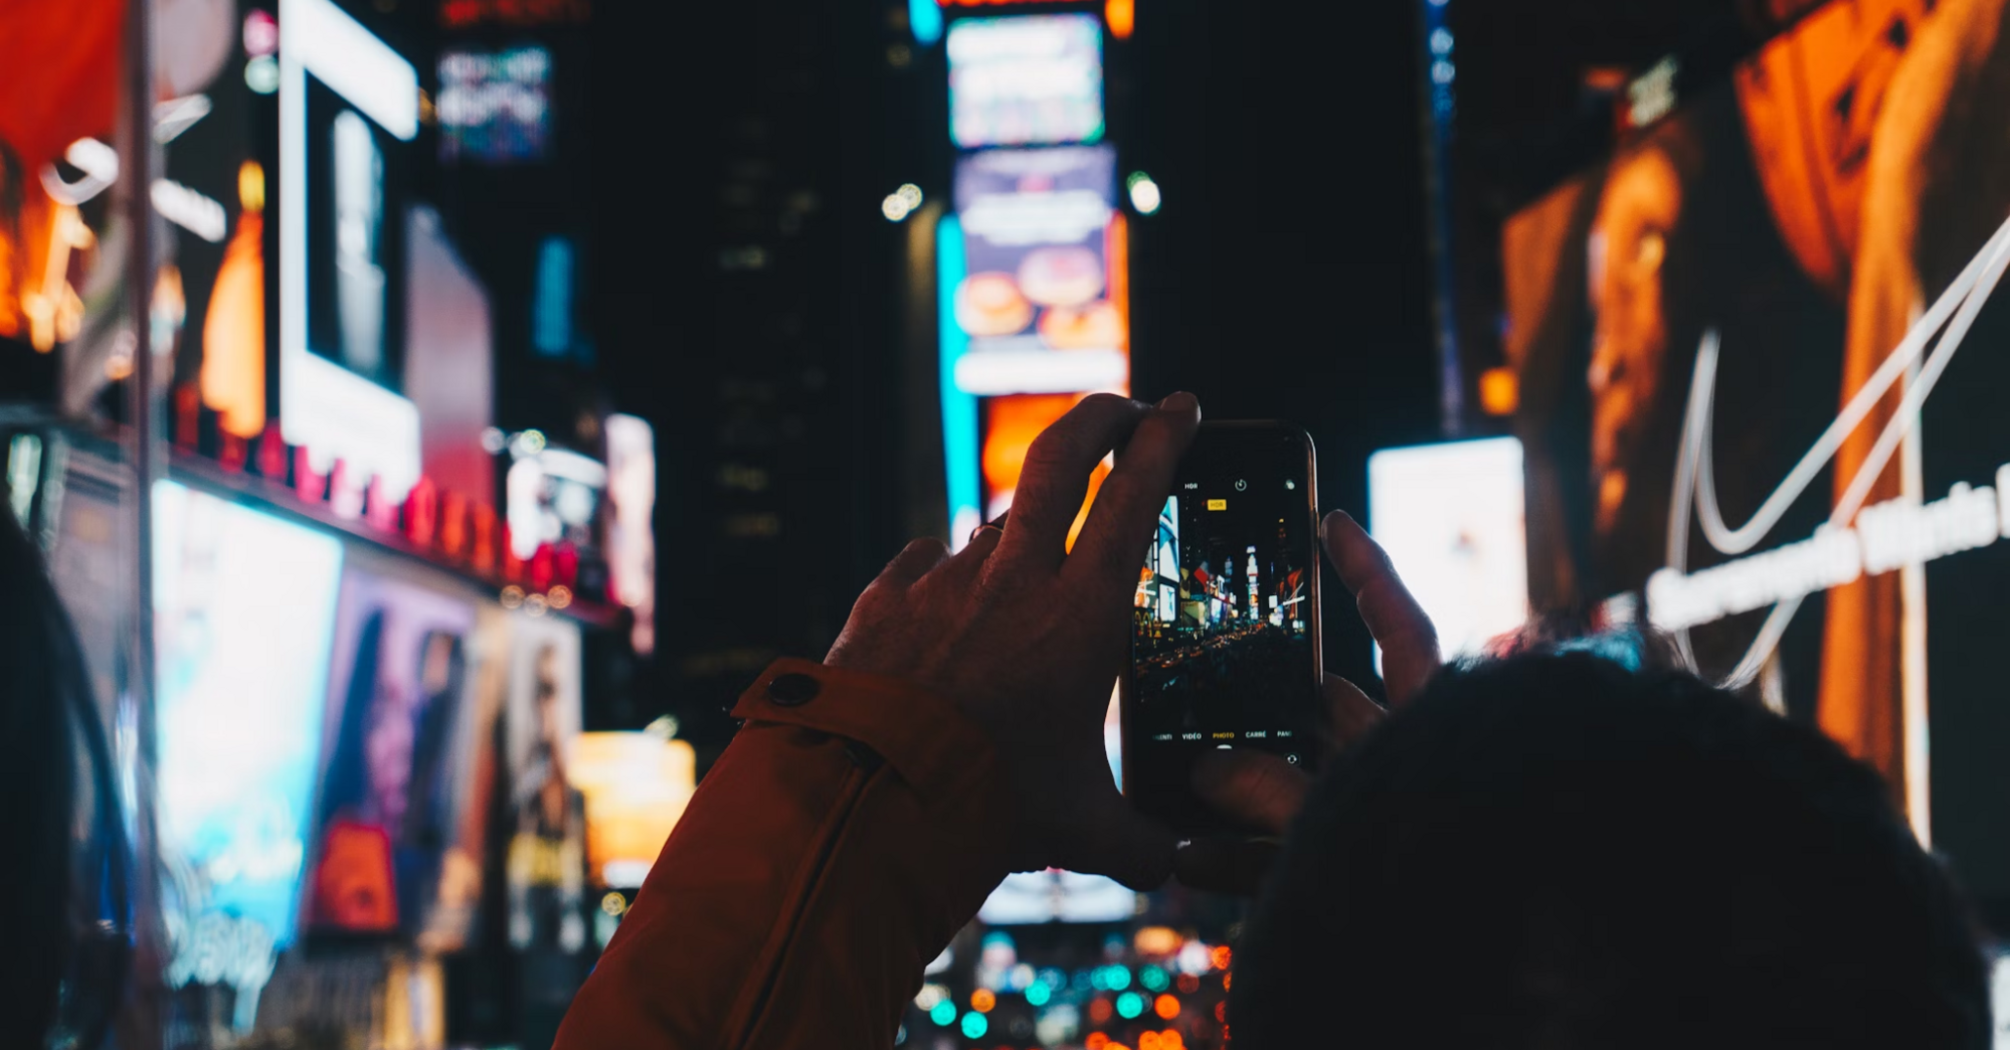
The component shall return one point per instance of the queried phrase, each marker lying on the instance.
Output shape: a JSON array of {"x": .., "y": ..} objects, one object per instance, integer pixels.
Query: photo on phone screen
[{"x": 1225, "y": 625}]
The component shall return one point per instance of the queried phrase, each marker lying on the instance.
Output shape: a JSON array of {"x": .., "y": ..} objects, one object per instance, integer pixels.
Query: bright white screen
[{"x": 1451, "y": 518}]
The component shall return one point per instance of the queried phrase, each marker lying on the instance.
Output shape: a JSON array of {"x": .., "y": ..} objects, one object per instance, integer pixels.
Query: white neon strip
[
  {"x": 190, "y": 210},
  {"x": 1747, "y": 536},
  {"x": 1912, "y": 612},
  {"x": 1956, "y": 309},
  {"x": 318, "y": 37},
  {"x": 993, "y": 372}
]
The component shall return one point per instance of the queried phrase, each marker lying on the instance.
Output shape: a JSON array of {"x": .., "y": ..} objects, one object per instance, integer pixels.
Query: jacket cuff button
[{"x": 793, "y": 690}]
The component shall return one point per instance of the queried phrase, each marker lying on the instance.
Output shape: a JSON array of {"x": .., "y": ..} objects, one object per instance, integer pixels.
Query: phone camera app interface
[{"x": 1223, "y": 616}]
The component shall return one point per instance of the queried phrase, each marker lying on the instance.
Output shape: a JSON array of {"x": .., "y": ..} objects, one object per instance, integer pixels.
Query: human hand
[
  {"x": 1263, "y": 792},
  {"x": 1028, "y": 637}
]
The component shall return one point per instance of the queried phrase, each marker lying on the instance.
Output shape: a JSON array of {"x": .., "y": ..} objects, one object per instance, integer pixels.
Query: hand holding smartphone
[{"x": 1225, "y": 644}]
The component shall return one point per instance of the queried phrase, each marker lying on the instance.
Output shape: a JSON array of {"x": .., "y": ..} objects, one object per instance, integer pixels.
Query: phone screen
[{"x": 1225, "y": 625}]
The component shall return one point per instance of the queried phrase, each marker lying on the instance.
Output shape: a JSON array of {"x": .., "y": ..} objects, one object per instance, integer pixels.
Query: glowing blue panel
[
  {"x": 244, "y": 605},
  {"x": 959, "y": 409},
  {"x": 925, "y": 19}
]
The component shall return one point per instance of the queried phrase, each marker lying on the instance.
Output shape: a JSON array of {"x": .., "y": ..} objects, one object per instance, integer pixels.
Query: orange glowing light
[
  {"x": 1225, "y": 978},
  {"x": 1011, "y": 424},
  {"x": 1156, "y": 940},
  {"x": 1097, "y": 1040},
  {"x": 1500, "y": 391},
  {"x": 1150, "y": 1041},
  {"x": 982, "y": 1000},
  {"x": 1220, "y": 957},
  {"x": 1099, "y": 1011},
  {"x": 1221, "y": 1011},
  {"x": 1166, "y": 1006},
  {"x": 1120, "y": 16},
  {"x": 1188, "y": 983},
  {"x": 1115, "y": 1046},
  {"x": 1117, "y": 249},
  {"x": 1170, "y": 1039},
  {"x": 232, "y": 375}
]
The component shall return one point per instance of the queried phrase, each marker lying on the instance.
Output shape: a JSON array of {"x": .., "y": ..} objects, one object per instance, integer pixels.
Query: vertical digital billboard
[
  {"x": 347, "y": 102},
  {"x": 1036, "y": 298},
  {"x": 1034, "y": 310},
  {"x": 1757, "y": 353},
  {"x": 244, "y": 607},
  {"x": 1450, "y": 516}
]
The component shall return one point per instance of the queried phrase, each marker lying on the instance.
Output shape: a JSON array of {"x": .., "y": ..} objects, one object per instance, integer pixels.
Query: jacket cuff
[{"x": 931, "y": 744}]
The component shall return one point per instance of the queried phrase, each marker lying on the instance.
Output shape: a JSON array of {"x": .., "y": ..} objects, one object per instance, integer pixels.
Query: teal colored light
[
  {"x": 1117, "y": 978},
  {"x": 974, "y": 1025},
  {"x": 959, "y": 409},
  {"x": 1129, "y": 1005},
  {"x": 942, "y": 1013},
  {"x": 1038, "y": 993},
  {"x": 925, "y": 19},
  {"x": 1154, "y": 978},
  {"x": 1099, "y": 978}
]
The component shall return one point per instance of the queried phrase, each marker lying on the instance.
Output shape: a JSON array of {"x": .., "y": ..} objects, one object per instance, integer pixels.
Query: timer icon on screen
[{"x": 1241, "y": 485}]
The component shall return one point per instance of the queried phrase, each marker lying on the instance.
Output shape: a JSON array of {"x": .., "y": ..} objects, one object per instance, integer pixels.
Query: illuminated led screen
[
  {"x": 398, "y": 758},
  {"x": 1450, "y": 516},
  {"x": 1040, "y": 300},
  {"x": 244, "y": 606},
  {"x": 1023, "y": 81},
  {"x": 495, "y": 106}
]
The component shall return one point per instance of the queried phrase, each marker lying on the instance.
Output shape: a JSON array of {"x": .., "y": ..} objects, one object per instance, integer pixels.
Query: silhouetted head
[{"x": 1556, "y": 852}]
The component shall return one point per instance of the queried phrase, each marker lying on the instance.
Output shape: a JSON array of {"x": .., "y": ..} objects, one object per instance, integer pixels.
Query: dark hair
[
  {"x": 62, "y": 908},
  {"x": 1556, "y": 852}
]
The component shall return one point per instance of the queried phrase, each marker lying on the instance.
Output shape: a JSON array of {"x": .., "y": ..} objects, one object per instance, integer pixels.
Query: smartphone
[{"x": 1225, "y": 626}]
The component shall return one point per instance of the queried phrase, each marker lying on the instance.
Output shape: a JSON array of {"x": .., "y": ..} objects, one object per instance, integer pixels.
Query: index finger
[
  {"x": 1055, "y": 480},
  {"x": 1113, "y": 543},
  {"x": 1399, "y": 625}
]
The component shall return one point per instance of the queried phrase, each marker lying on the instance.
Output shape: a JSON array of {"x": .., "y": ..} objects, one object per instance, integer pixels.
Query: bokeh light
[
  {"x": 1166, "y": 1006},
  {"x": 974, "y": 1026},
  {"x": 1145, "y": 196},
  {"x": 1038, "y": 993},
  {"x": 982, "y": 1000},
  {"x": 1130, "y": 1005},
  {"x": 943, "y": 1013}
]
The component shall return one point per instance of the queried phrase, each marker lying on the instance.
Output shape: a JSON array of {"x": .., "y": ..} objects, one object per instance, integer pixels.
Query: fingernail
[{"x": 1180, "y": 402}]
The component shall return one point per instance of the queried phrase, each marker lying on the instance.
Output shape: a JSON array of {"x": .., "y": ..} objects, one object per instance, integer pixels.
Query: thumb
[{"x": 1108, "y": 837}]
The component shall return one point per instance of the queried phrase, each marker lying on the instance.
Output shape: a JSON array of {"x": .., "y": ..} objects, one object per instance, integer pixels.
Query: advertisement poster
[
  {"x": 398, "y": 760},
  {"x": 1451, "y": 518},
  {"x": 546, "y": 845},
  {"x": 244, "y": 607},
  {"x": 542, "y": 832},
  {"x": 1025, "y": 80},
  {"x": 1041, "y": 300},
  {"x": 1759, "y": 390}
]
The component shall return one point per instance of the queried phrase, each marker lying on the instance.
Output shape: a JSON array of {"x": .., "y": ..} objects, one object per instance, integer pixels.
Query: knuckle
[
  {"x": 1056, "y": 447},
  {"x": 926, "y": 547}
]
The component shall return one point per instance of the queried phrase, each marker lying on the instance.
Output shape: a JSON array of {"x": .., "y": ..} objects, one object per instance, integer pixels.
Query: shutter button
[{"x": 793, "y": 690}]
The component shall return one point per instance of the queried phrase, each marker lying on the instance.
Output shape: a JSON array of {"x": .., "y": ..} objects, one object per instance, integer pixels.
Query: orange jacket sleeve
[{"x": 847, "y": 833}]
